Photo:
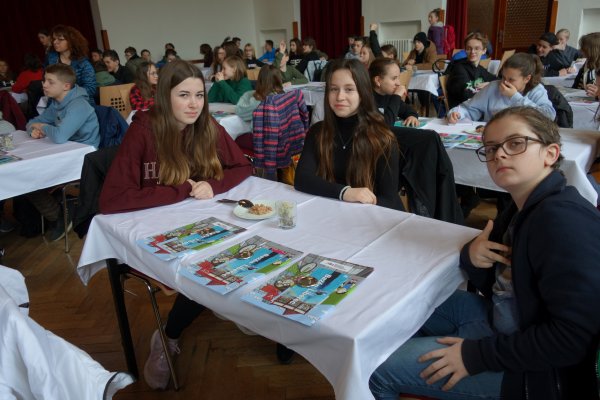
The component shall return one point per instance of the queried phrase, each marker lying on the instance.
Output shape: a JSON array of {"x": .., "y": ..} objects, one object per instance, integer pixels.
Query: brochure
[
  {"x": 309, "y": 288},
  {"x": 240, "y": 264},
  {"x": 7, "y": 158},
  {"x": 422, "y": 123},
  {"x": 188, "y": 238},
  {"x": 218, "y": 115},
  {"x": 461, "y": 140}
]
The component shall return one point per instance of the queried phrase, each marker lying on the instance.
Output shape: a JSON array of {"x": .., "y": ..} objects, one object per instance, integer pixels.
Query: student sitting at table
[
  {"x": 389, "y": 51},
  {"x": 217, "y": 65},
  {"x": 309, "y": 49},
  {"x": 269, "y": 82},
  {"x": 366, "y": 56},
  {"x": 71, "y": 48},
  {"x": 68, "y": 117},
  {"x": 250, "y": 57},
  {"x": 532, "y": 330},
  {"x": 289, "y": 74},
  {"x": 269, "y": 55},
  {"x": 423, "y": 55},
  {"x": 352, "y": 155},
  {"x": 295, "y": 52},
  {"x": 146, "y": 55},
  {"x": 103, "y": 77},
  {"x": 32, "y": 71},
  {"x": 520, "y": 86},
  {"x": 231, "y": 83},
  {"x": 173, "y": 152},
  {"x": 141, "y": 95},
  {"x": 7, "y": 77},
  {"x": 571, "y": 53},
  {"x": 121, "y": 73},
  {"x": 466, "y": 77},
  {"x": 387, "y": 90},
  {"x": 587, "y": 78},
  {"x": 554, "y": 61}
]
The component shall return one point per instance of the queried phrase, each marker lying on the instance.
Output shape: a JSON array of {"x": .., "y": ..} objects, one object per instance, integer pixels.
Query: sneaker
[
  {"x": 156, "y": 369},
  {"x": 59, "y": 230},
  {"x": 284, "y": 355}
]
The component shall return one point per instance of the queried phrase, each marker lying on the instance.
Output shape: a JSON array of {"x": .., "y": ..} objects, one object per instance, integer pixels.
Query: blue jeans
[{"x": 464, "y": 315}]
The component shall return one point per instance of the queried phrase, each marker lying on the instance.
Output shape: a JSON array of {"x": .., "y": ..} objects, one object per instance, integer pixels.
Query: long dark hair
[
  {"x": 527, "y": 64},
  {"x": 141, "y": 79},
  {"x": 269, "y": 81},
  {"x": 193, "y": 153},
  {"x": 372, "y": 137},
  {"x": 78, "y": 45}
]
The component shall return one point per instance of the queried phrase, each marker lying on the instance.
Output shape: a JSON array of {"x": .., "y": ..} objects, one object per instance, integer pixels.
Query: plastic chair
[
  {"x": 117, "y": 96},
  {"x": 505, "y": 56}
]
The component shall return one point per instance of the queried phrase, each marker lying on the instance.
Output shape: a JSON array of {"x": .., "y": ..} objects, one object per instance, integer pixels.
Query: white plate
[{"x": 245, "y": 214}]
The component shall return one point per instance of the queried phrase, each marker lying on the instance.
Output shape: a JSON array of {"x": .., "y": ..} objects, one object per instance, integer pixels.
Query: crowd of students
[{"x": 535, "y": 321}]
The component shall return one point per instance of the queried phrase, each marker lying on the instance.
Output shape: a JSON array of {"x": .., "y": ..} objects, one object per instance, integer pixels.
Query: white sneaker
[{"x": 156, "y": 369}]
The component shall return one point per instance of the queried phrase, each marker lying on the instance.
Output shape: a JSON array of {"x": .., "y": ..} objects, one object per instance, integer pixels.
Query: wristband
[{"x": 343, "y": 191}]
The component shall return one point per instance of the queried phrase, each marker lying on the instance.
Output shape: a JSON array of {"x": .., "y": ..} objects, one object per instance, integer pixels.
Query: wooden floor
[{"x": 217, "y": 360}]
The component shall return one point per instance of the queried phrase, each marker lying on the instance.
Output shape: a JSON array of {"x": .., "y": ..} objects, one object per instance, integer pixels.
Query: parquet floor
[{"x": 217, "y": 361}]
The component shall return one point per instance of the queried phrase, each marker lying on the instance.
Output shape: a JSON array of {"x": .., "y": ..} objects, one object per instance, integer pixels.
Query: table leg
[{"x": 114, "y": 274}]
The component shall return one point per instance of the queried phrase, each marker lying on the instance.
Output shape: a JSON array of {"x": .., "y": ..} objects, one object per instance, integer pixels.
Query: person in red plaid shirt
[{"x": 141, "y": 95}]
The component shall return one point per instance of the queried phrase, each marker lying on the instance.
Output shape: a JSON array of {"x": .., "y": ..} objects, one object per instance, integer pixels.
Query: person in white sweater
[{"x": 520, "y": 86}]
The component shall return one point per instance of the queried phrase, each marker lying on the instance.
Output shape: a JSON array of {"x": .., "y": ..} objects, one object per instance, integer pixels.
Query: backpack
[{"x": 449, "y": 40}]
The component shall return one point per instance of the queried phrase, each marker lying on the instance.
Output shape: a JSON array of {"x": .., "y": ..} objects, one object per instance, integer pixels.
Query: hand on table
[
  {"x": 453, "y": 117},
  {"x": 411, "y": 121},
  {"x": 410, "y": 62},
  {"x": 201, "y": 190},
  {"x": 449, "y": 362},
  {"x": 507, "y": 89},
  {"x": 37, "y": 134},
  {"x": 591, "y": 90},
  {"x": 481, "y": 250},
  {"x": 360, "y": 195}
]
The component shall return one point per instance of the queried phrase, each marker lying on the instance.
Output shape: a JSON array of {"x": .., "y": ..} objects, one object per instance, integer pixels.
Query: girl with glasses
[
  {"x": 520, "y": 86},
  {"x": 466, "y": 77},
  {"x": 532, "y": 329},
  {"x": 141, "y": 95}
]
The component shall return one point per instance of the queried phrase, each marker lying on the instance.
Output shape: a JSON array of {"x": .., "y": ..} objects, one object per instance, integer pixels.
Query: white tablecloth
[
  {"x": 35, "y": 364},
  {"x": 425, "y": 80},
  {"x": 579, "y": 147},
  {"x": 233, "y": 124},
  {"x": 415, "y": 261},
  {"x": 560, "y": 81},
  {"x": 44, "y": 164}
]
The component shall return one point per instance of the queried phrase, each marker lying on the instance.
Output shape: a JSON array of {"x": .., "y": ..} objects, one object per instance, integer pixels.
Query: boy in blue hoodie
[{"x": 69, "y": 116}]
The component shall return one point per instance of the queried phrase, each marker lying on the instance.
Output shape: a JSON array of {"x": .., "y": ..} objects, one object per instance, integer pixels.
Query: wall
[
  {"x": 399, "y": 19},
  {"x": 189, "y": 23},
  {"x": 579, "y": 17}
]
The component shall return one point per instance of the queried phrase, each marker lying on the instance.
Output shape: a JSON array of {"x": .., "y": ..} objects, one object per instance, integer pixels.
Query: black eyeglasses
[{"x": 512, "y": 147}]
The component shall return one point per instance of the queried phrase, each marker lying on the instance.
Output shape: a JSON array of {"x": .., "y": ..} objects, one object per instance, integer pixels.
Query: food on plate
[{"x": 260, "y": 209}]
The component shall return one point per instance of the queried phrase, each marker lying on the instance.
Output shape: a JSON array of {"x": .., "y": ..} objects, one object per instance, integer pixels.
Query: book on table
[
  {"x": 461, "y": 140},
  {"x": 242, "y": 263},
  {"x": 188, "y": 238},
  {"x": 6, "y": 158},
  {"x": 309, "y": 288}
]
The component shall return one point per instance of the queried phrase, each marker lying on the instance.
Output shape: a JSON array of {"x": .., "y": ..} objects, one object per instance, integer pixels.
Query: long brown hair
[
  {"x": 78, "y": 45},
  {"x": 590, "y": 45},
  {"x": 238, "y": 65},
  {"x": 372, "y": 137},
  {"x": 269, "y": 81},
  {"x": 193, "y": 152},
  {"x": 141, "y": 80}
]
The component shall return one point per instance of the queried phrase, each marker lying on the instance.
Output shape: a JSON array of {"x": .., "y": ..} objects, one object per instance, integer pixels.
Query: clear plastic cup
[{"x": 287, "y": 214}]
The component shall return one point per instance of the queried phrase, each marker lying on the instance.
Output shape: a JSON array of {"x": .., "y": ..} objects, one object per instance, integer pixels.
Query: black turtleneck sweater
[
  {"x": 392, "y": 107},
  {"x": 307, "y": 179}
]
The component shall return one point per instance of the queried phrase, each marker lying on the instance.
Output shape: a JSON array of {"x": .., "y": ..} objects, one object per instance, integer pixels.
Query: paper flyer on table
[
  {"x": 309, "y": 288},
  {"x": 239, "y": 264},
  {"x": 188, "y": 238},
  {"x": 461, "y": 140}
]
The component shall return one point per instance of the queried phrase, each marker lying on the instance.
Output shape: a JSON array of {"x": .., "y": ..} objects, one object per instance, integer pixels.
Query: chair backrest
[
  {"x": 443, "y": 84},
  {"x": 405, "y": 55},
  {"x": 485, "y": 63},
  {"x": 252, "y": 74},
  {"x": 456, "y": 51},
  {"x": 505, "y": 56},
  {"x": 279, "y": 123},
  {"x": 405, "y": 77},
  {"x": 117, "y": 96},
  {"x": 314, "y": 70}
]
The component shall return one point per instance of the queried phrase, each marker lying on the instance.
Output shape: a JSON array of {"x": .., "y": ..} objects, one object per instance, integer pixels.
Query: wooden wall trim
[
  {"x": 105, "y": 42},
  {"x": 295, "y": 29},
  {"x": 553, "y": 15}
]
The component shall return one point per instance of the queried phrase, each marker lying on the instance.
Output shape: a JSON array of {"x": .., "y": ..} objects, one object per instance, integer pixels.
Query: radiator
[{"x": 402, "y": 45}]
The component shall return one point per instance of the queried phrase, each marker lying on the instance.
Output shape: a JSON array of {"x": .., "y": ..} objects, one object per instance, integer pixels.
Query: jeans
[{"x": 464, "y": 315}]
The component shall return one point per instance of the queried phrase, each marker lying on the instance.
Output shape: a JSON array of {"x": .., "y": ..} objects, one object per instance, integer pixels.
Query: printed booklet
[
  {"x": 461, "y": 140},
  {"x": 309, "y": 288},
  {"x": 240, "y": 264},
  {"x": 189, "y": 238}
]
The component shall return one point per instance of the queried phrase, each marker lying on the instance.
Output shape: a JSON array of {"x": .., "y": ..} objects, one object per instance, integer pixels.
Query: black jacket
[
  {"x": 556, "y": 280},
  {"x": 554, "y": 62},
  {"x": 462, "y": 79},
  {"x": 564, "y": 113},
  {"x": 392, "y": 107}
]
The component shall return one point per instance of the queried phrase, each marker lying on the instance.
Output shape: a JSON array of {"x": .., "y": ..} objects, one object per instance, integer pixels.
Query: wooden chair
[
  {"x": 485, "y": 63},
  {"x": 443, "y": 82},
  {"x": 117, "y": 96},
  {"x": 505, "y": 56},
  {"x": 252, "y": 74},
  {"x": 405, "y": 55},
  {"x": 456, "y": 51},
  {"x": 405, "y": 78}
]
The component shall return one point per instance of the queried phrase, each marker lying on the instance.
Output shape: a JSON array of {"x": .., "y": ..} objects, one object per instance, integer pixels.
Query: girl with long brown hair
[
  {"x": 141, "y": 95},
  {"x": 171, "y": 153},
  {"x": 352, "y": 155}
]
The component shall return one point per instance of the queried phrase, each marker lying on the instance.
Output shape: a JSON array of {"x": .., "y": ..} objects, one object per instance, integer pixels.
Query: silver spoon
[{"x": 243, "y": 202}]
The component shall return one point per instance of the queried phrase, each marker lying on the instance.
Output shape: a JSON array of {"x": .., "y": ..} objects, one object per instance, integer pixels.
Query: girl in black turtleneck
[
  {"x": 385, "y": 78},
  {"x": 352, "y": 155}
]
